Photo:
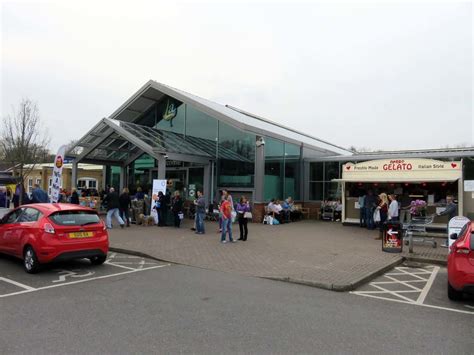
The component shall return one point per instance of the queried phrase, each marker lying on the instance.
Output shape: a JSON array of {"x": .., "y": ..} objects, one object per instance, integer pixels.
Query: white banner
[
  {"x": 57, "y": 172},
  {"x": 158, "y": 185}
]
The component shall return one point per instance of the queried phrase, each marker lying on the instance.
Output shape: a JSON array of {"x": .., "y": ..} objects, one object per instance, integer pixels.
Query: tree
[{"x": 23, "y": 141}]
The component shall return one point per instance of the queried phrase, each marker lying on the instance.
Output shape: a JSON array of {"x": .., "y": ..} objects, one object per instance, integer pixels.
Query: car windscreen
[{"x": 75, "y": 218}]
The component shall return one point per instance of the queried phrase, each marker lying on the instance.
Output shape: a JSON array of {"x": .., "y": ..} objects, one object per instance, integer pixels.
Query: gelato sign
[{"x": 402, "y": 170}]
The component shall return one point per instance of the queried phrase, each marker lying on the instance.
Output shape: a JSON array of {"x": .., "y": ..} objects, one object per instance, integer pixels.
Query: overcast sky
[{"x": 382, "y": 76}]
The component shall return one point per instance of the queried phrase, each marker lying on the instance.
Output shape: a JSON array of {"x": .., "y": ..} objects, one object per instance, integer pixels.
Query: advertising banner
[
  {"x": 158, "y": 185},
  {"x": 392, "y": 241},
  {"x": 57, "y": 173}
]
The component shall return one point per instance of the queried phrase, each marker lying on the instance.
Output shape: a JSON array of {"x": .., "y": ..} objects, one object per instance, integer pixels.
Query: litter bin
[{"x": 392, "y": 238}]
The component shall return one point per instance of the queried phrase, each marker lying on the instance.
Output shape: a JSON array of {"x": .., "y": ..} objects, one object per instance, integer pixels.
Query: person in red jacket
[{"x": 226, "y": 213}]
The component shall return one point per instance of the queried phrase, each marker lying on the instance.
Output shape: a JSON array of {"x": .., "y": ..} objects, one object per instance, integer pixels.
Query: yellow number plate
[{"x": 81, "y": 234}]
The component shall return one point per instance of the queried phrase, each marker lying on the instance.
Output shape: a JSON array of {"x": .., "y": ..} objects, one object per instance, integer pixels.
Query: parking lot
[
  {"x": 418, "y": 285},
  {"x": 14, "y": 281}
]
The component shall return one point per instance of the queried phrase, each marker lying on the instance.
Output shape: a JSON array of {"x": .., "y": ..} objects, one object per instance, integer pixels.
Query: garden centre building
[{"x": 196, "y": 144}]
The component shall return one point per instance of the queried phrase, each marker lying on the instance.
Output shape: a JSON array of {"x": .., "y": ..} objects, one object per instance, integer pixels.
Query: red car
[
  {"x": 45, "y": 232},
  {"x": 461, "y": 263}
]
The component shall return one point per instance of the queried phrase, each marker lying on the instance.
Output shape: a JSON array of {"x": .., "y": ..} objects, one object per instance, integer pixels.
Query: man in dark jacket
[
  {"x": 113, "y": 205},
  {"x": 125, "y": 203},
  {"x": 3, "y": 197},
  {"x": 38, "y": 195}
]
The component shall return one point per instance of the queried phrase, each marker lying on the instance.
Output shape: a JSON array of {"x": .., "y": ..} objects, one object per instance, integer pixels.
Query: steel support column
[{"x": 259, "y": 170}]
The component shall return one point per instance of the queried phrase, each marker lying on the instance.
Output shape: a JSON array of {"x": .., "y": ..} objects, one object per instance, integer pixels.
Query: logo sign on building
[
  {"x": 158, "y": 185},
  {"x": 403, "y": 170},
  {"x": 57, "y": 173},
  {"x": 170, "y": 111}
]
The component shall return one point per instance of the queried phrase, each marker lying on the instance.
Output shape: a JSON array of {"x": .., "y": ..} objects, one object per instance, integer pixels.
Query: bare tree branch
[{"x": 23, "y": 142}]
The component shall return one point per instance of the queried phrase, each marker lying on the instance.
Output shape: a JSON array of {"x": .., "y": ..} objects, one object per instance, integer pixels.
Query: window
[
  {"x": 87, "y": 183},
  {"x": 38, "y": 181},
  {"x": 282, "y": 169},
  {"x": 171, "y": 115},
  {"x": 236, "y": 153},
  {"x": 75, "y": 218},
  {"x": 29, "y": 215},
  {"x": 13, "y": 216},
  {"x": 30, "y": 186},
  {"x": 321, "y": 186}
]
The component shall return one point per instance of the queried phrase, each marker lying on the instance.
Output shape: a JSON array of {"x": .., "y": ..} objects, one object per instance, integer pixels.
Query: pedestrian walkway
[{"x": 321, "y": 254}]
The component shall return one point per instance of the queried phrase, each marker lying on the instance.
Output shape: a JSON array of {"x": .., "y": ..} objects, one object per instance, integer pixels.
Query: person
[
  {"x": 338, "y": 211},
  {"x": 161, "y": 209},
  {"x": 200, "y": 213},
  {"x": 383, "y": 209},
  {"x": 362, "y": 217},
  {"x": 9, "y": 196},
  {"x": 113, "y": 205},
  {"x": 38, "y": 195},
  {"x": 451, "y": 208},
  {"x": 74, "y": 197},
  {"x": 393, "y": 208},
  {"x": 242, "y": 207},
  {"x": 177, "y": 208},
  {"x": 405, "y": 205},
  {"x": 140, "y": 195},
  {"x": 3, "y": 197},
  {"x": 226, "y": 196},
  {"x": 451, "y": 211},
  {"x": 277, "y": 211},
  {"x": 226, "y": 216},
  {"x": 369, "y": 206},
  {"x": 286, "y": 211},
  {"x": 294, "y": 213},
  {"x": 125, "y": 203}
]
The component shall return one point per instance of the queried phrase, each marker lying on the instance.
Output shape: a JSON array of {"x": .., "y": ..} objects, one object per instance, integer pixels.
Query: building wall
[{"x": 45, "y": 173}]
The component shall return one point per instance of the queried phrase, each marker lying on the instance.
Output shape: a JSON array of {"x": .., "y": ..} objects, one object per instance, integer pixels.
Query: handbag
[
  {"x": 233, "y": 216},
  {"x": 248, "y": 215},
  {"x": 377, "y": 215}
]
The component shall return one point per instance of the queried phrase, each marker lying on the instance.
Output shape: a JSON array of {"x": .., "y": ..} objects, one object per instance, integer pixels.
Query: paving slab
[{"x": 316, "y": 253}]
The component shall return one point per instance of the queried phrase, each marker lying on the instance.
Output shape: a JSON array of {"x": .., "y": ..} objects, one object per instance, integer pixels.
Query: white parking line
[
  {"x": 403, "y": 271},
  {"x": 26, "y": 287},
  {"x": 428, "y": 285},
  {"x": 117, "y": 265},
  {"x": 31, "y": 289}
]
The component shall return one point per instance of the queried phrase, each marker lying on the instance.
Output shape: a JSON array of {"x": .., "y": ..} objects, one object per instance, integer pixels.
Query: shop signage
[
  {"x": 403, "y": 169},
  {"x": 57, "y": 173},
  {"x": 392, "y": 241},
  {"x": 468, "y": 185},
  {"x": 170, "y": 111}
]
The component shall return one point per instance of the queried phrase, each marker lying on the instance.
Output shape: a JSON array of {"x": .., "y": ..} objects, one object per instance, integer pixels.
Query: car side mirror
[{"x": 453, "y": 236}]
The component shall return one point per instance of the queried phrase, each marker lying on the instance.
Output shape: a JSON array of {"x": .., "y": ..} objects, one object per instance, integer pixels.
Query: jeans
[
  {"x": 200, "y": 222},
  {"x": 243, "y": 227},
  {"x": 369, "y": 217},
  {"x": 226, "y": 227},
  {"x": 115, "y": 213},
  {"x": 125, "y": 216},
  {"x": 362, "y": 217}
]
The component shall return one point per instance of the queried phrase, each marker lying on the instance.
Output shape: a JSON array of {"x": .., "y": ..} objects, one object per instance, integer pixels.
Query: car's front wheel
[
  {"x": 453, "y": 294},
  {"x": 30, "y": 261},
  {"x": 98, "y": 260}
]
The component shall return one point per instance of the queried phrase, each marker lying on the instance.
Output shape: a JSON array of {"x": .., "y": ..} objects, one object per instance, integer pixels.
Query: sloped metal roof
[{"x": 153, "y": 92}]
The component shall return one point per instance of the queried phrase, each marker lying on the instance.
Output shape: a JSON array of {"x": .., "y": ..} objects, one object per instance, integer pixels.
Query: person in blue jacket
[{"x": 38, "y": 195}]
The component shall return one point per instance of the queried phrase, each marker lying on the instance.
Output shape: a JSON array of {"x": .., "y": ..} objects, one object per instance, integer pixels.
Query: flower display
[{"x": 417, "y": 207}]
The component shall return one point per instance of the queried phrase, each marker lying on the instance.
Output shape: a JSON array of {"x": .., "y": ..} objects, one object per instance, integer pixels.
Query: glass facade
[
  {"x": 282, "y": 170},
  {"x": 236, "y": 170},
  {"x": 321, "y": 186}
]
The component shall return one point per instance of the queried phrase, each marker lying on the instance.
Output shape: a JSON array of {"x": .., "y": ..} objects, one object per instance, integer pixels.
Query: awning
[{"x": 395, "y": 180}]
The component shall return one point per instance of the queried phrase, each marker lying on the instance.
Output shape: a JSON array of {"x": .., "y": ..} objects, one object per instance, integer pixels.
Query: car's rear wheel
[
  {"x": 30, "y": 261},
  {"x": 98, "y": 260},
  {"x": 454, "y": 295}
]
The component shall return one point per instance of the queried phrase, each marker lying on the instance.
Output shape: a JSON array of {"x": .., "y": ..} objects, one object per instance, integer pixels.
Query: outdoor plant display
[{"x": 418, "y": 208}]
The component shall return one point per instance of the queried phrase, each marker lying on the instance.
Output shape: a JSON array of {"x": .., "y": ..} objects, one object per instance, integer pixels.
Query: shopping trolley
[{"x": 415, "y": 231}]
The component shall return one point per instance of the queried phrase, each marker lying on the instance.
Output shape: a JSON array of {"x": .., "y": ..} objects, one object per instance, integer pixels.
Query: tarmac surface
[{"x": 316, "y": 253}]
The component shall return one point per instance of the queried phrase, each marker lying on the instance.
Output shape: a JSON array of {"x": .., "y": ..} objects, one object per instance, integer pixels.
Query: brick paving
[{"x": 323, "y": 254}]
